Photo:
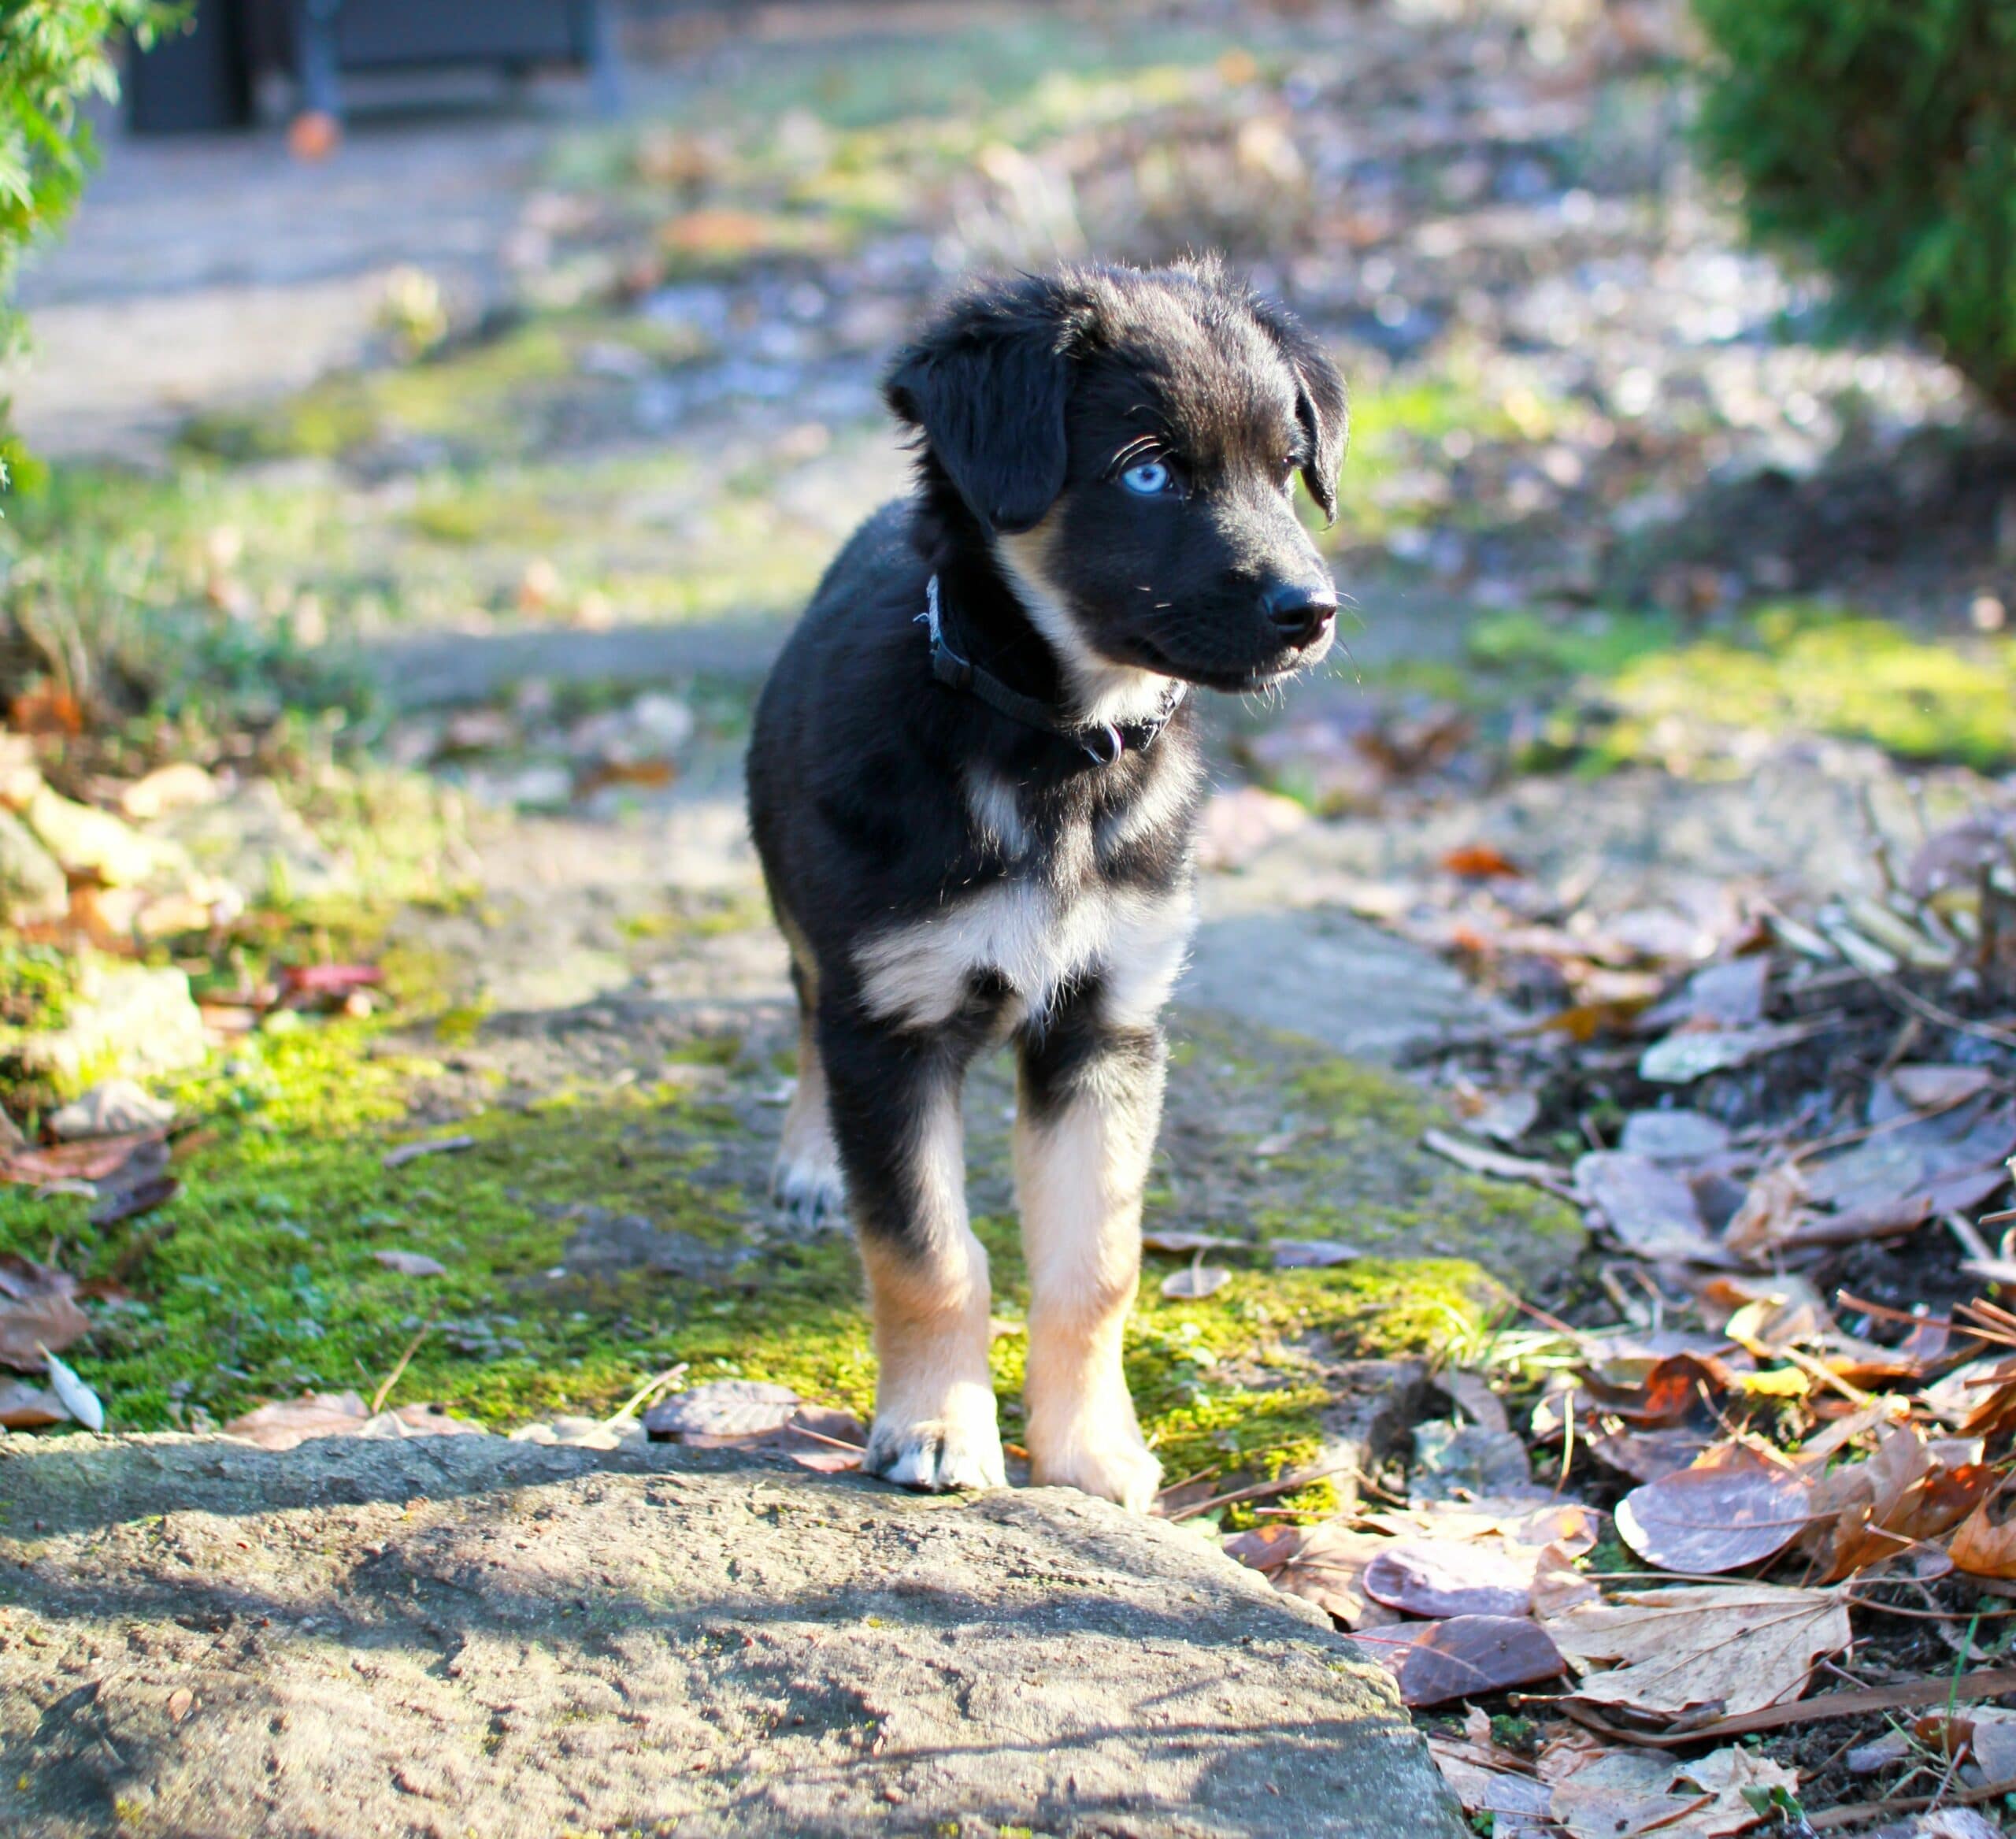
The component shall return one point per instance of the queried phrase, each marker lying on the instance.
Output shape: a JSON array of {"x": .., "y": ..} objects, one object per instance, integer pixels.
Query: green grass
[{"x": 1633, "y": 687}]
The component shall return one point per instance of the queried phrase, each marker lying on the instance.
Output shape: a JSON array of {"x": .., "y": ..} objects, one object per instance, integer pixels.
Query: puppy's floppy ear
[
  {"x": 985, "y": 383},
  {"x": 1320, "y": 405}
]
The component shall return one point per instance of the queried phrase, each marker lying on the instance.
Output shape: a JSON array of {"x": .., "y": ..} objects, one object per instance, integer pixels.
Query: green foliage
[
  {"x": 53, "y": 53},
  {"x": 1636, "y": 689},
  {"x": 1877, "y": 139}
]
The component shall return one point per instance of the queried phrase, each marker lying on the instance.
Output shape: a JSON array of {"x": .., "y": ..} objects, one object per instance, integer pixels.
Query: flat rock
[
  {"x": 33, "y": 886},
  {"x": 114, "y": 1108},
  {"x": 126, "y": 1019},
  {"x": 1327, "y": 974},
  {"x": 467, "y": 1633},
  {"x": 252, "y": 837},
  {"x": 86, "y": 842}
]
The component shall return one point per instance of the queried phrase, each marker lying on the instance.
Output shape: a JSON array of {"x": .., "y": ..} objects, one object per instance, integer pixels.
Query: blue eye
[{"x": 1148, "y": 479}]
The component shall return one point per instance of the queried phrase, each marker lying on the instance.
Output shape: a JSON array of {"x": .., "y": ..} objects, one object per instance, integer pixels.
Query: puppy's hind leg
[
  {"x": 1091, "y": 1099},
  {"x": 806, "y": 1181},
  {"x": 896, "y": 1108}
]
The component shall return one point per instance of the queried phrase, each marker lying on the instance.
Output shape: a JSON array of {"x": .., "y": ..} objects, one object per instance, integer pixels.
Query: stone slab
[{"x": 447, "y": 1636}]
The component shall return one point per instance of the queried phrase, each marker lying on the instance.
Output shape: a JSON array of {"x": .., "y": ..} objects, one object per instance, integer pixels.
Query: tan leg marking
[
  {"x": 935, "y": 1423},
  {"x": 1079, "y": 1175}
]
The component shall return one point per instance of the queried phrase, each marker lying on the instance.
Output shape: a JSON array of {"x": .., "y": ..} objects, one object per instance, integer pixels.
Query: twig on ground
[
  {"x": 1896, "y": 993},
  {"x": 1989, "y": 1683},
  {"x": 820, "y": 1437},
  {"x": 384, "y": 1392},
  {"x": 638, "y": 1399},
  {"x": 1861, "y": 1132},
  {"x": 1916, "y": 1803},
  {"x": 1261, "y": 1491}
]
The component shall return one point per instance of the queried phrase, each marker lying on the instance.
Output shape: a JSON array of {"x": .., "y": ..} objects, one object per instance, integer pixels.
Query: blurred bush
[
  {"x": 53, "y": 54},
  {"x": 1877, "y": 139}
]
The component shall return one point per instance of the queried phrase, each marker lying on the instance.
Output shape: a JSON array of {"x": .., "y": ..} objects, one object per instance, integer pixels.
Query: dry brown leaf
[
  {"x": 1650, "y": 1208},
  {"x": 1472, "y": 1392},
  {"x": 1328, "y": 1569},
  {"x": 1558, "y": 1585},
  {"x": 28, "y": 1407},
  {"x": 827, "y": 1441},
  {"x": 1195, "y": 1282},
  {"x": 1923, "y": 1087},
  {"x": 1311, "y": 1254},
  {"x": 1444, "y": 1578},
  {"x": 722, "y": 1410},
  {"x": 1519, "y": 1807},
  {"x": 1983, "y": 1547},
  {"x": 406, "y": 1421},
  {"x": 1705, "y": 1520},
  {"x": 1629, "y": 1791},
  {"x": 1470, "y": 1655},
  {"x": 1959, "y": 1397},
  {"x": 1494, "y": 1162},
  {"x": 1182, "y": 1244},
  {"x": 412, "y": 1264},
  {"x": 1775, "y": 1310},
  {"x": 1520, "y": 1522},
  {"x": 91, "y": 1159},
  {"x": 1688, "y": 1054},
  {"x": 1480, "y": 861},
  {"x": 1477, "y": 1744},
  {"x": 32, "y": 1324},
  {"x": 1266, "y": 1547},
  {"x": 1739, "y": 1646},
  {"x": 1770, "y": 1210},
  {"x": 73, "y": 1394},
  {"x": 128, "y": 1201},
  {"x": 412, "y": 1152},
  {"x": 1647, "y": 1456},
  {"x": 289, "y": 1421},
  {"x": 1906, "y": 1493}
]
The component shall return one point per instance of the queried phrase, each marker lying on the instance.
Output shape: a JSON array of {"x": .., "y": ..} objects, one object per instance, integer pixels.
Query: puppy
[{"x": 973, "y": 782}]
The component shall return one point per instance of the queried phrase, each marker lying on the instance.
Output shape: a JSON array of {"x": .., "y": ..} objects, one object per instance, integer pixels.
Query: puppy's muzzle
[{"x": 1300, "y": 611}]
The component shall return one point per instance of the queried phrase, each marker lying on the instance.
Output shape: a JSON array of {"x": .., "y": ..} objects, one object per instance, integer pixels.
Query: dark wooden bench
[{"x": 201, "y": 79}]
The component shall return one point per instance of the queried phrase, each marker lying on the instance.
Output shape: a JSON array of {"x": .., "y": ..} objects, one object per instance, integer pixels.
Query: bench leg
[
  {"x": 605, "y": 64},
  {"x": 315, "y": 46}
]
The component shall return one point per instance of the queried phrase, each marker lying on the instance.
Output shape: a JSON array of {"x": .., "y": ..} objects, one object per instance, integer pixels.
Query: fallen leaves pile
[
  {"x": 1706, "y": 1508},
  {"x": 1768, "y": 1525}
]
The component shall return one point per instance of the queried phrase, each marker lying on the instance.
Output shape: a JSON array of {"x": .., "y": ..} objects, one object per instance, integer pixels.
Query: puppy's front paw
[
  {"x": 1113, "y": 1464},
  {"x": 937, "y": 1454},
  {"x": 809, "y": 1189}
]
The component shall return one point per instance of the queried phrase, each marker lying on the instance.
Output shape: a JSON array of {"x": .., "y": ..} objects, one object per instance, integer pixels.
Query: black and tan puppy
[{"x": 973, "y": 784}]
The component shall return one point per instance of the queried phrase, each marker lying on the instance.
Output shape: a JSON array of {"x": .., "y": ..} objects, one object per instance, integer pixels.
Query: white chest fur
[{"x": 1051, "y": 926}]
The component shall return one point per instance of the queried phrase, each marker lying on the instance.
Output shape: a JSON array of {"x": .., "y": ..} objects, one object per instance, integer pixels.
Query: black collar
[{"x": 1104, "y": 742}]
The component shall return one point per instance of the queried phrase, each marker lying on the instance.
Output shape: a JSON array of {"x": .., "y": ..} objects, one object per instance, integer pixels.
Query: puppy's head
[{"x": 1129, "y": 441}]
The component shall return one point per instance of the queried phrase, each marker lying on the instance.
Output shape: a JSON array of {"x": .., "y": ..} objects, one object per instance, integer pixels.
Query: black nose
[{"x": 1299, "y": 610}]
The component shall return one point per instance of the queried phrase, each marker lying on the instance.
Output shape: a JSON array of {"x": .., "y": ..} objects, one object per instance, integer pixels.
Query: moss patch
[
  {"x": 260, "y": 1279},
  {"x": 1639, "y": 690}
]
